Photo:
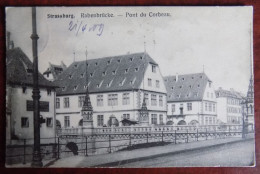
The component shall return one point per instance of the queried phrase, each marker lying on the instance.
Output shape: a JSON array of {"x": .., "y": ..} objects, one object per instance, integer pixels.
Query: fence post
[
  {"x": 86, "y": 145},
  {"x": 147, "y": 137},
  {"x": 175, "y": 137},
  {"x": 58, "y": 147},
  {"x": 24, "y": 151},
  {"x": 197, "y": 134},
  {"x": 206, "y": 134},
  {"x": 109, "y": 143}
]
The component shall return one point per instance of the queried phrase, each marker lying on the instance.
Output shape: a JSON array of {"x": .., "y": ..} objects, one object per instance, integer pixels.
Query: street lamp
[
  {"x": 244, "y": 122},
  {"x": 37, "y": 160}
]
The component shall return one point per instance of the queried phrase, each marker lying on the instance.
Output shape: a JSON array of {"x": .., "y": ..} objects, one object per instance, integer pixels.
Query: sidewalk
[{"x": 106, "y": 160}]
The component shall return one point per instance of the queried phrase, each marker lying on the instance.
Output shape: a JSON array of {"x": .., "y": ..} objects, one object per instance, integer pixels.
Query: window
[
  {"x": 57, "y": 103},
  {"x": 66, "y": 102},
  {"x": 189, "y": 106},
  {"x": 207, "y": 94},
  {"x": 99, "y": 100},
  {"x": 157, "y": 83},
  {"x": 112, "y": 100},
  {"x": 136, "y": 69},
  {"x": 81, "y": 75},
  {"x": 66, "y": 121},
  {"x": 206, "y": 121},
  {"x": 146, "y": 97},
  {"x": 49, "y": 122},
  {"x": 161, "y": 119},
  {"x": 49, "y": 92},
  {"x": 210, "y": 84},
  {"x": 210, "y": 107},
  {"x": 96, "y": 63},
  {"x": 153, "y": 100},
  {"x": 108, "y": 62},
  {"x": 24, "y": 122},
  {"x": 210, "y": 120},
  {"x": 114, "y": 72},
  {"x": 206, "y": 106},
  {"x": 154, "y": 118},
  {"x": 100, "y": 120},
  {"x": 91, "y": 74},
  {"x": 160, "y": 100},
  {"x": 75, "y": 87},
  {"x": 149, "y": 82},
  {"x": 173, "y": 108},
  {"x": 104, "y": 73},
  {"x": 81, "y": 100},
  {"x": 76, "y": 66},
  {"x": 126, "y": 99},
  {"x": 24, "y": 90},
  {"x": 126, "y": 70},
  {"x": 211, "y": 95},
  {"x": 131, "y": 59},
  {"x": 126, "y": 116},
  {"x": 153, "y": 68},
  {"x": 214, "y": 107},
  {"x": 63, "y": 88}
]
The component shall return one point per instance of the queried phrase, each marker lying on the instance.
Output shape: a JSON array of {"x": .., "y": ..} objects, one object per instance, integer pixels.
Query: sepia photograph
[{"x": 129, "y": 87}]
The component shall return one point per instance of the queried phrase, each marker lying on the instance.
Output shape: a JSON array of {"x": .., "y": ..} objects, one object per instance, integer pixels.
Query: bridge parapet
[{"x": 153, "y": 128}]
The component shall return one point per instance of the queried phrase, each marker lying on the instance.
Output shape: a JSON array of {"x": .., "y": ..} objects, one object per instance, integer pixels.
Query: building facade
[
  {"x": 117, "y": 86},
  {"x": 191, "y": 100},
  {"x": 229, "y": 106},
  {"x": 19, "y": 102}
]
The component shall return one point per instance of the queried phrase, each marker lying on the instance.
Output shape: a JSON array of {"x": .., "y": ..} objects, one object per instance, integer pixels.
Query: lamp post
[
  {"x": 37, "y": 160},
  {"x": 244, "y": 104}
]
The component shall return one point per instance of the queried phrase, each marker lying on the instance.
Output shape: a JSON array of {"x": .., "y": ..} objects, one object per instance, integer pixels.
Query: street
[{"x": 237, "y": 154}]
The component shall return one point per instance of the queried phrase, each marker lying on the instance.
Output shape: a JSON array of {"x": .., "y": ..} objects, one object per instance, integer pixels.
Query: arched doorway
[
  {"x": 73, "y": 147},
  {"x": 182, "y": 122},
  {"x": 112, "y": 121},
  {"x": 58, "y": 125},
  {"x": 169, "y": 123},
  {"x": 81, "y": 122},
  {"x": 194, "y": 123}
]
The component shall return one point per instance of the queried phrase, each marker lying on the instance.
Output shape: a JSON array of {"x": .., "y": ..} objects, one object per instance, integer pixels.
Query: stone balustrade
[{"x": 153, "y": 128}]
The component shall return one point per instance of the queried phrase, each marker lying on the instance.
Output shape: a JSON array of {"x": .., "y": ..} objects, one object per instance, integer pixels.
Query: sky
[{"x": 216, "y": 40}]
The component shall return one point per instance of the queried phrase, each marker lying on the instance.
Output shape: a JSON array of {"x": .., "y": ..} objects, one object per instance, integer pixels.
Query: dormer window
[
  {"x": 210, "y": 84},
  {"x": 118, "y": 60},
  {"x": 104, "y": 73},
  {"x": 192, "y": 77},
  {"x": 114, "y": 72},
  {"x": 108, "y": 62},
  {"x": 91, "y": 74},
  {"x": 201, "y": 77},
  {"x": 29, "y": 70},
  {"x": 172, "y": 87},
  {"x": 180, "y": 86},
  {"x": 81, "y": 75},
  {"x": 75, "y": 66},
  {"x": 85, "y": 86},
  {"x": 141, "y": 57},
  {"x": 122, "y": 82},
  {"x": 175, "y": 79},
  {"x": 99, "y": 85},
  {"x": 87, "y": 64},
  {"x": 183, "y": 79},
  {"x": 131, "y": 59},
  {"x": 136, "y": 69},
  {"x": 70, "y": 76},
  {"x": 178, "y": 96},
  {"x": 187, "y": 95},
  {"x": 109, "y": 84},
  {"x": 166, "y": 80},
  {"x": 75, "y": 87},
  {"x": 198, "y": 85},
  {"x": 126, "y": 70},
  {"x": 96, "y": 63},
  {"x": 133, "y": 81},
  {"x": 63, "y": 88},
  {"x": 190, "y": 86}
]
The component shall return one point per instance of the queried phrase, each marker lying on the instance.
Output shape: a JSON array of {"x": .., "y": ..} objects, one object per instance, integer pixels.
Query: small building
[
  {"x": 54, "y": 71},
  {"x": 190, "y": 100},
  {"x": 117, "y": 86},
  {"x": 229, "y": 106},
  {"x": 19, "y": 102}
]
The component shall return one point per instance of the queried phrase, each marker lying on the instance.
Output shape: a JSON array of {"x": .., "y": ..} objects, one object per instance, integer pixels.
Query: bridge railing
[{"x": 154, "y": 128}]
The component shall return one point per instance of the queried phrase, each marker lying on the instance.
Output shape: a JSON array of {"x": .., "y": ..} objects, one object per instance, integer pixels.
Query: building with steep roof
[
  {"x": 229, "y": 106},
  {"x": 190, "y": 100},
  {"x": 53, "y": 71},
  {"x": 19, "y": 102},
  {"x": 117, "y": 86}
]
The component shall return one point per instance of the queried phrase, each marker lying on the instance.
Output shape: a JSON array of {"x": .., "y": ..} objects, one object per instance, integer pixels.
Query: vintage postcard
[{"x": 129, "y": 87}]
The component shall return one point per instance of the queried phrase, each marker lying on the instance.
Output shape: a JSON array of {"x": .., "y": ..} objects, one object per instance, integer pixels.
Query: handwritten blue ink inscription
[{"x": 81, "y": 27}]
